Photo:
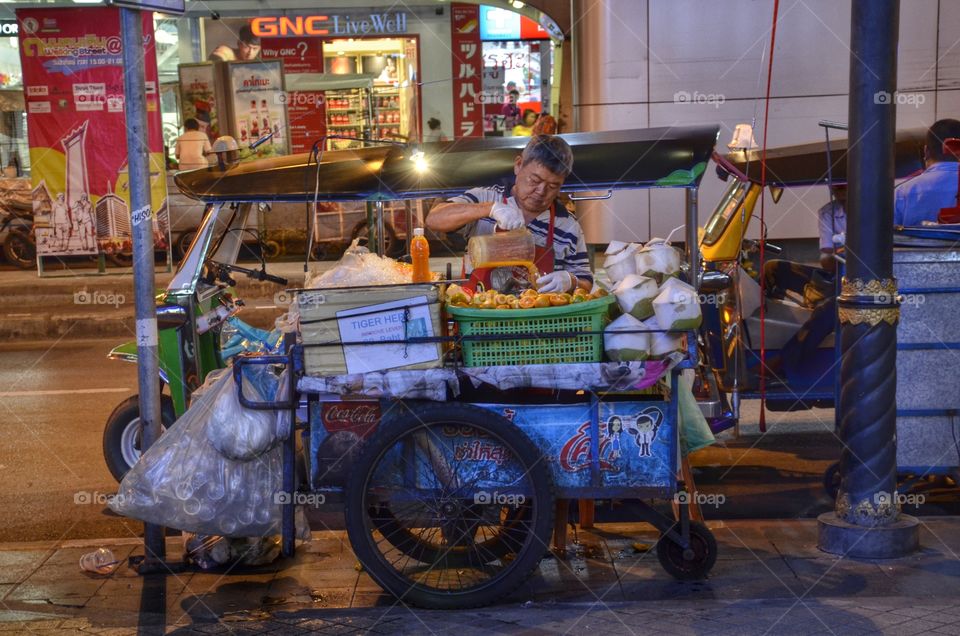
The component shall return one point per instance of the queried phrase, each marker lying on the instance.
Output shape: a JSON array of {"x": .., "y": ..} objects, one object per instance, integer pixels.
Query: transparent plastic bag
[
  {"x": 359, "y": 267},
  {"x": 183, "y": 481},
  {"x": 237, "y": 432}
]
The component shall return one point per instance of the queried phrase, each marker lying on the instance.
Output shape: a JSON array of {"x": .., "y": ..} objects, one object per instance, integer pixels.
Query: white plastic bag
[
  {"x": 359, "y": 267},
  {"x": 237, "y": 432},
  {"x": 184, "y": 482},
  {"x": 635, "y": 295},
  {"x": 677, "y": 306},
  {"x": 626, "y": 347}
]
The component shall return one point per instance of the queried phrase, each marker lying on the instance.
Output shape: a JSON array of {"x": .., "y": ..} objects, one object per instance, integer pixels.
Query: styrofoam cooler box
[{"x": 366, "y": 316}]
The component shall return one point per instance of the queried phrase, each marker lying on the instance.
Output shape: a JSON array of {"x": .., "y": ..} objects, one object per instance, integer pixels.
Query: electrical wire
[{"x": 763, "y": 224}]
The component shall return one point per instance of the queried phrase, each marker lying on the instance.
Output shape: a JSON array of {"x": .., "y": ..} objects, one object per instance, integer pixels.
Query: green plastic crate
[{"x": 586, "y": 316}]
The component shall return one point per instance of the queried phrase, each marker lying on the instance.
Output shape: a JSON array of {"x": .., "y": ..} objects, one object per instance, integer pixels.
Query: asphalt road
[{"x": 56, "y": 396}]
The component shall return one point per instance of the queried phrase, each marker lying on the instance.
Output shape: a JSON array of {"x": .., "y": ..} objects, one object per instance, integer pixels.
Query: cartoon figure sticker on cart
[
  {"x": 614, "y": 430},
  {"x": 644, "y": 429}
]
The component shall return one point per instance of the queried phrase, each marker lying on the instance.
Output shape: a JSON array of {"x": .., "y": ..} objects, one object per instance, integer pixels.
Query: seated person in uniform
[
  {"x": 920, "y": 198},
  {"x": 781, "y": 276},
  {"x": 530, "y": 202}
]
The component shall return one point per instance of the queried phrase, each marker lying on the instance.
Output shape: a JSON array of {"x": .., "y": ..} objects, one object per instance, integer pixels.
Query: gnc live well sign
[{"x": 298, "y": 26}]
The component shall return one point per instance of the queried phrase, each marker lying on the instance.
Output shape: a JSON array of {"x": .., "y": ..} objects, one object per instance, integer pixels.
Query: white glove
[
  {"x": 507, "y": 215},
  {"x": 556, "y": 282}
]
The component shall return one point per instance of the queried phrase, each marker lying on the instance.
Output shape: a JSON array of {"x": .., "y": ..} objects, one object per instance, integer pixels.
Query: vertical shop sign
[
  {"x": 198, "y": 97},
  {"x": 467, "y": 70},
  {"x": 306, "y": 110},
  {"x": 259, "y": 107},
  {"x": 73, "y": 76}
]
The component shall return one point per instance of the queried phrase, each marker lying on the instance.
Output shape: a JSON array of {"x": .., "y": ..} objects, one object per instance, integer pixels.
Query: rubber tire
[
  {"x": 20, "y": 250},
  {"x": 413, "y": 547},
  {"x": 831, "y": 480},
  {"x": 115, "y": 433},
  {"x": 704, "y": 545},
  {"x": 183, "y": 242},
  {"x": 393, "y": 247},
  {"x": 522, "y": 566}
]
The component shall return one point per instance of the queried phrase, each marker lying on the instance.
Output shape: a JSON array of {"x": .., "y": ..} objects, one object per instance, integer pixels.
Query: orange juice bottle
[{"x": 420, "y": 257}]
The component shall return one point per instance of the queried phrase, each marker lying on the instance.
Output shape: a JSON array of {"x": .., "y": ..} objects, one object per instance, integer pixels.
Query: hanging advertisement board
[
  {"x": 73, "y": 76},
  {"x": 467, "y": 70},
  {"x": 306, "y": 109},
  {"x": 257, "y": 105},
  {"x": 198, "y": 97}
]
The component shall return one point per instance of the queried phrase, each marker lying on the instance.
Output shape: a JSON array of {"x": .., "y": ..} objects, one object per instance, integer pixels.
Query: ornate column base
[{"x": 897, "y": 539}]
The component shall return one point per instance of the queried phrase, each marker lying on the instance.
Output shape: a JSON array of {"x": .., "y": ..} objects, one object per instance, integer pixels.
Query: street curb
[{"x": 68, "y": 323}]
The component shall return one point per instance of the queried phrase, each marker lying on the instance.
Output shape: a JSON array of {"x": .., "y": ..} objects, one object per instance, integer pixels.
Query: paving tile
[{"x": 17, "y": 565}]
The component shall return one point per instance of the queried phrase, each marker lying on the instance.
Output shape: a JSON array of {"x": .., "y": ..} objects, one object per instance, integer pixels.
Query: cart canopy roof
[
  {"x": 806, "y": 164},
  {"x": 622, "y": 159}
]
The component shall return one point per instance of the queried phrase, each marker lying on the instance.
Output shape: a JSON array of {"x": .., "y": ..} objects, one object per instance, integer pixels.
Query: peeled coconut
[
  {"x": 662, "y": 344},
  {"x": 658, "y": 260},
  {"x": 618, "y": 266},
  {"x": 676, "y": 306},
  {"x": 626, "y": 347},
  {"x": 635, "y": 294},
  {"x": 615, "y": 247}
]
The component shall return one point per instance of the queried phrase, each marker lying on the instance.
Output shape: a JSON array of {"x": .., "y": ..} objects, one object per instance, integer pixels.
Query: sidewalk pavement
[
  {"x": 91, "y": 305},
  {"x": 769, "y": 578}
]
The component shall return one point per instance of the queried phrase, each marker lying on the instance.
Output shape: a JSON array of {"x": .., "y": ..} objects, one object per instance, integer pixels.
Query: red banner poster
[
  {"x": 73, "y": 79},
  {"x": 306, "y": 110},
  {"x": 467, "y": 70}
]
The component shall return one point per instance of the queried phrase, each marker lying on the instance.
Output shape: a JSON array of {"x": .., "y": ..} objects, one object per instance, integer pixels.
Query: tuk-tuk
[
  {"x": 731, "y": 331},
  {"x": 450, "y": 485}
]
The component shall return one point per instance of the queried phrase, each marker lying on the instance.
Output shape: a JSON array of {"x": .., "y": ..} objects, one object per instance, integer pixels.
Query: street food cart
[{"x": 448, "y": 472}]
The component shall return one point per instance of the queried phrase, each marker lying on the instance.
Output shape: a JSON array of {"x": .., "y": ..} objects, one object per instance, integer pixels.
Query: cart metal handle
[
  {"x": 592, "y": 197},
  {"x": 243, "y": 361}
]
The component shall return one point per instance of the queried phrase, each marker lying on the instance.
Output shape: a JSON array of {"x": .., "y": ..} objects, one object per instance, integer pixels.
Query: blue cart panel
[{"x": 594, "y": 449}]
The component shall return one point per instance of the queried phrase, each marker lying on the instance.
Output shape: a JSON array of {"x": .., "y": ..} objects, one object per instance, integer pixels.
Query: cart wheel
[
  {"x": 831, "y": 480},
  {"x": 20, "y": 250},
  {"x": 121, "y": 437},
  {"x": 450, "y": 507},
  {"x": 692, "y": 565}
]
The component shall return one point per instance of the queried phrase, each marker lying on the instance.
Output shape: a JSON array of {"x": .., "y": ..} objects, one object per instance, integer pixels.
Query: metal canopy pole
[
  {"x": 148, "y": 368},
  {"x": 691, "y": 238},
  {"x": 867, "y": 522}
]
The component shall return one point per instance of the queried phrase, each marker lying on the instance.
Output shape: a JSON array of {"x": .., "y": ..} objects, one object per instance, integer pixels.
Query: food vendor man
[{"x": 529, "y": 201}]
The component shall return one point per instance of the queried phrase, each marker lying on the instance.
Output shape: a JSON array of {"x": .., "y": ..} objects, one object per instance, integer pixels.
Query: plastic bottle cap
[{"x": 418, "y": 231}]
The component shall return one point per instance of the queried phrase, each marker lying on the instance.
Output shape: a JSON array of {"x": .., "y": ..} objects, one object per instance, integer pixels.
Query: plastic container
[
  {"x": 590, "y": 316},
  {"x": 420, "y": 257},
  {"x": 100, "y": 561},
  {"x": 620, "y": 265},
  {"x": 626, "y": 347},
  {"x": 501, "y": 249}
]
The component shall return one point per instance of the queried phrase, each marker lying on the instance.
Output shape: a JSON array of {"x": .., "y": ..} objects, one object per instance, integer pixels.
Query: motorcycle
[
  {"x": 19, "y": 245},
  {"x": 198, "y": 329}
]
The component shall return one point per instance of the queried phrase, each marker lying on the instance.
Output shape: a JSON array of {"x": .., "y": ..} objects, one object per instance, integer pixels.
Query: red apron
[{"x": 543, "y": 258}]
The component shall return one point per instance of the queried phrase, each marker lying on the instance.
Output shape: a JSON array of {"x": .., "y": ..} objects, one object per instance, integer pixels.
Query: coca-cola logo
[
  {"x": 361, "y": 417},
  {"x": 575, "y": 453}
]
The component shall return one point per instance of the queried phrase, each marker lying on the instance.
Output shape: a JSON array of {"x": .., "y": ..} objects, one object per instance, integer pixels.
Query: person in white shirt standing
[{"x": 193, "y": 146}]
